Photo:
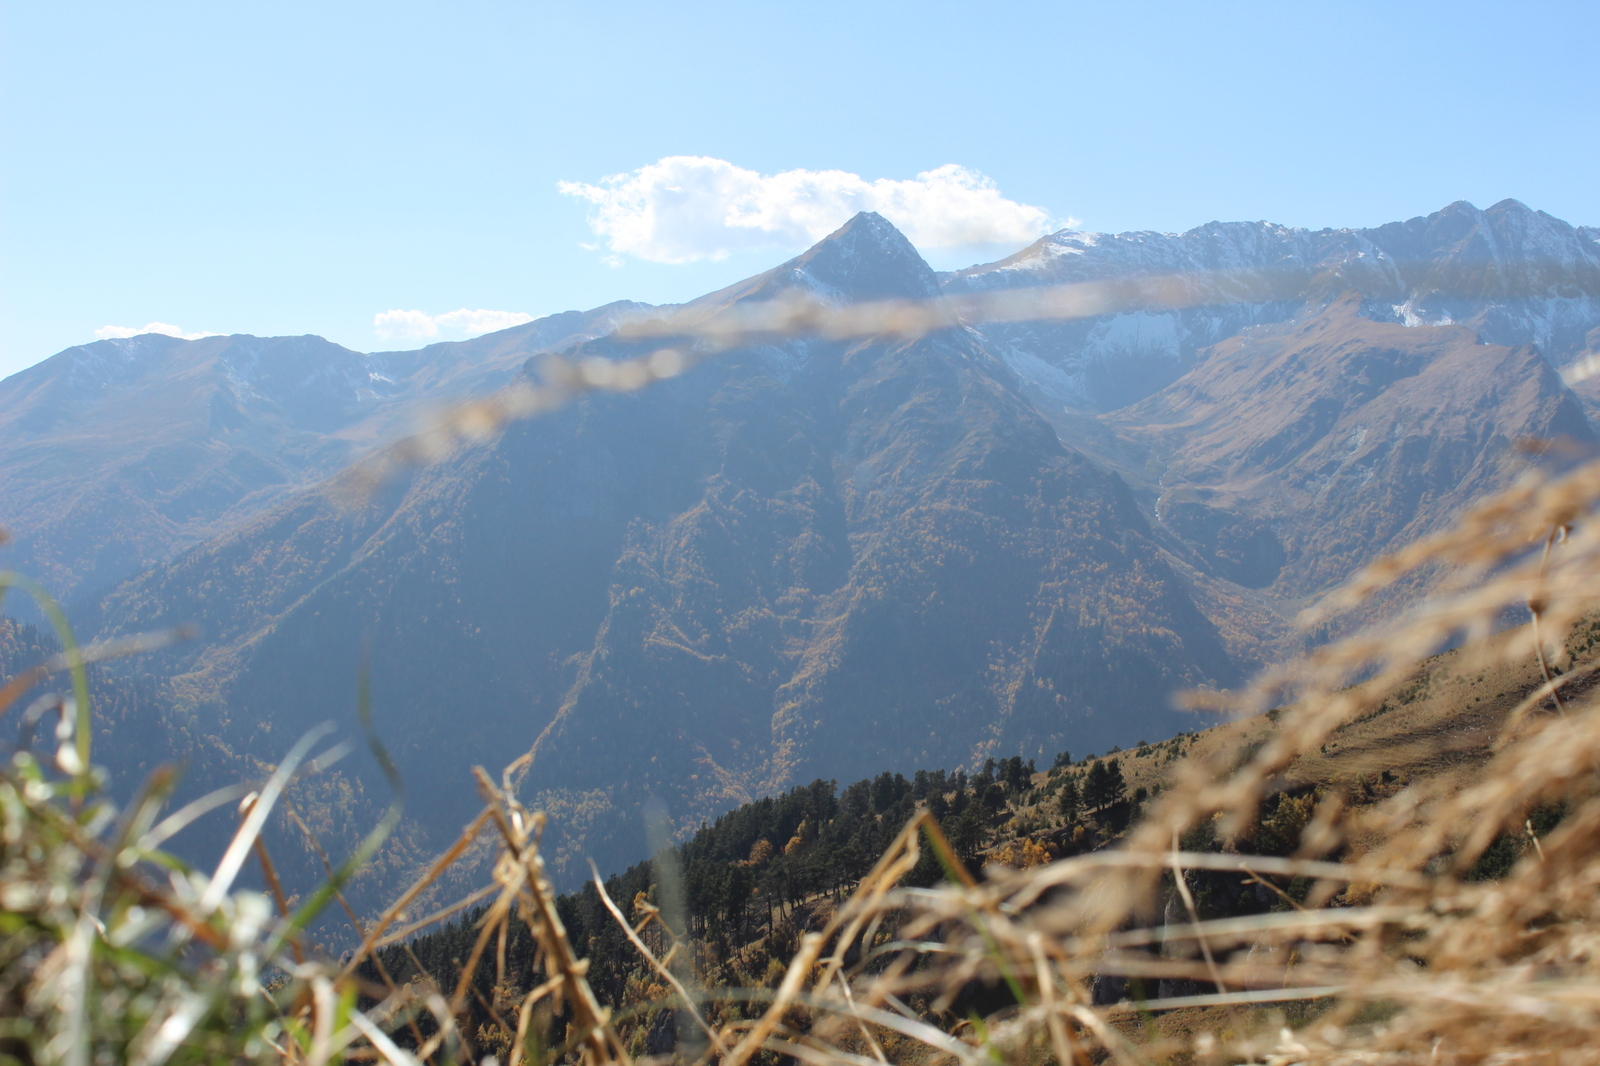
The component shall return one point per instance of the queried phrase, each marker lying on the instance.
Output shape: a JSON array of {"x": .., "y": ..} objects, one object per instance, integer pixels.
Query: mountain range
[
  {"x": 122, "y": 453},
  {"x": 805, "y": 557},
  {"x": 1513, "y": 275}
]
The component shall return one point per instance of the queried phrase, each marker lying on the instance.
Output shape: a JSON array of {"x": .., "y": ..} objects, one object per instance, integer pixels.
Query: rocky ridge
[
  {"x": 122, "y": 453},
  {"x": 1514, "y": 275}
]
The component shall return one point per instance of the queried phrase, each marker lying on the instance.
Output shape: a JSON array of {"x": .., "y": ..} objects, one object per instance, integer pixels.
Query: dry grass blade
[
  {"x": 469, "y": 900},
  {"x": 432, "y": 874},
  {"x": 1067, "y": 1051},
  {"x": 655, "y": 963},
  {"x": 233, "y": 859},
  {"x": 788, "y": 991},
  {"x": 388, "y": 1049},
  {"x": 596, "y": 1037},
  {"x": 861, "y": 1025},
  {"x": 1194, "y": 915}
]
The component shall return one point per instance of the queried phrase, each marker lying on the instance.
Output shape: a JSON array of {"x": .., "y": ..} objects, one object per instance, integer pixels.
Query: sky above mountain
[{"x": 390, "y": 174}]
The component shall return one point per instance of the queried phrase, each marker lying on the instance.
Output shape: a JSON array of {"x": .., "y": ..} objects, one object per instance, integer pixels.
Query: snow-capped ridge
[{"x": 1514, "y": 274}]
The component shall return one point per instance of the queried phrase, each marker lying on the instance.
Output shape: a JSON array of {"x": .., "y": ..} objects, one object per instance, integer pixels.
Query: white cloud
[
  {"x": 419, "y": 325},
  {"x": 167, "y": 328},
  {"x": 404, "y": 325},
  {"x": 473, "y": 323},
  {"x": 685, "y": 208}
]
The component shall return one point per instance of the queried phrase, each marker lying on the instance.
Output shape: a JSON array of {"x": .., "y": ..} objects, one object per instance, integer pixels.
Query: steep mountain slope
[
  {"x": 1294, "y": 453},
  {"x": 1514, "y": 275},
  {"x": 804, "y": 559},
  {"x": 121, "y": 453}
]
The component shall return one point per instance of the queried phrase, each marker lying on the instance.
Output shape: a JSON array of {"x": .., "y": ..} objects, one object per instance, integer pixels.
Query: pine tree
[
  {"x": 1070, "y": 799},
  {"x": 1105, "y": 785},
  {"x": 968, "y": 833}
]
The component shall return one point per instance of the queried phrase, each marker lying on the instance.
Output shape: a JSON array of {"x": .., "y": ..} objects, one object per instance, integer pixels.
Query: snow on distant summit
[
  {"x": 1515, "y": 275},
  {"x": 869, "y": 259}
]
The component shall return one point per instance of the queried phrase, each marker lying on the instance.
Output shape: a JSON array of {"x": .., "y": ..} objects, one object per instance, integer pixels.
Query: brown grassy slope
[
  {"x": 1444, "y": 725},
  {"x": 1292, "y": 454}
]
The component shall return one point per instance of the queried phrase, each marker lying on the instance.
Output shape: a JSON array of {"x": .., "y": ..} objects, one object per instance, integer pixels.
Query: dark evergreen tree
[
  {"x": 1104, "y": 785},
  {"x": 1070, "y": 800},
  {"x": 1015, "y": 774},
  {"x": 887, "y": 789},
  {"x": 968, "y": 833}
]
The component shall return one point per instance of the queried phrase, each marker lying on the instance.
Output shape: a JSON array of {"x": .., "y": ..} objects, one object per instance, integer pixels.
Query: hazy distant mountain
[
  {"x": 811, "y": 558},
  {"x": 798, "y": 560},
  {"x": 1292, "y": 454},
  {"x": 1514, "y": 275},
  {"x": 119, "y": 454}
]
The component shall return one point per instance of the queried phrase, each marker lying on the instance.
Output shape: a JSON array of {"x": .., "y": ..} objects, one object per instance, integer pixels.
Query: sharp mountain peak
[{"x": 867, "y": 258}]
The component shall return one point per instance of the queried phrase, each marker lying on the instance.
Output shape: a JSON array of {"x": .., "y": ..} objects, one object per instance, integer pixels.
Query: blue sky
[{"x": 302, "y": 168}]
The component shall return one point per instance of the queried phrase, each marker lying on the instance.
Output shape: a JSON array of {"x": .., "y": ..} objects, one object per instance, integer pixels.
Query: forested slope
[{"x": 743, "y": 890}]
